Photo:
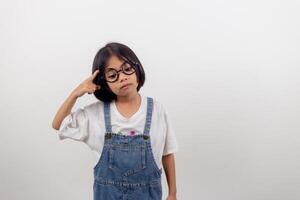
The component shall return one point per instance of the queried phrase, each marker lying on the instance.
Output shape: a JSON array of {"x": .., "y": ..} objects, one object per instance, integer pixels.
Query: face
[{"x": 124, "y": 79}]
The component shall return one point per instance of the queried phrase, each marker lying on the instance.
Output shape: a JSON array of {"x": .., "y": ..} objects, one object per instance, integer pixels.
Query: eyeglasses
[{"x": 112, "y": 75}]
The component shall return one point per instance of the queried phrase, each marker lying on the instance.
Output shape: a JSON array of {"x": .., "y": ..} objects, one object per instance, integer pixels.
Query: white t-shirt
[{"x": 87, "y": 125}]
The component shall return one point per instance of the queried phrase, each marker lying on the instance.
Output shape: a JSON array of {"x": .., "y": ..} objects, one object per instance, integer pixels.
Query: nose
[{"x": 122, "y": 76}]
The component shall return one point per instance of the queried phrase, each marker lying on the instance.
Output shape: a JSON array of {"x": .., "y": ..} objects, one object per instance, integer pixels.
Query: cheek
[
  {"x": 111, "y": 86},
  {"x": 136, "y": 79}
]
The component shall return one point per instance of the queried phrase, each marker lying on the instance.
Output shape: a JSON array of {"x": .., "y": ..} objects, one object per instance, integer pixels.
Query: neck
[{"x": 132, "y": 98}]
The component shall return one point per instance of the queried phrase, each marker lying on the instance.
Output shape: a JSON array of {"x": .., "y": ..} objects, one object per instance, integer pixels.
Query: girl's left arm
[{"x": 168, "y": 162}]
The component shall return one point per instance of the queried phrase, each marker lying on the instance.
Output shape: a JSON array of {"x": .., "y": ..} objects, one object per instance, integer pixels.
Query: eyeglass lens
[{"x": 112, "y": 75}]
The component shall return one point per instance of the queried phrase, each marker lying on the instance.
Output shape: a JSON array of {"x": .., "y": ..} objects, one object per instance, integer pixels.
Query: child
[{"x": 130, "y": 133}]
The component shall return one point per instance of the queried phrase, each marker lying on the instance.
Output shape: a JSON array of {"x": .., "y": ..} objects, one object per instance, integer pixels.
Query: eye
[
  {"x": 128, "y": 68},
  {"x": 111, "y": 74}
]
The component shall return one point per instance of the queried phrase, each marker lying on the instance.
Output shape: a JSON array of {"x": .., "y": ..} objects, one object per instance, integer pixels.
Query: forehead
[{"x": 114, "y": 62}]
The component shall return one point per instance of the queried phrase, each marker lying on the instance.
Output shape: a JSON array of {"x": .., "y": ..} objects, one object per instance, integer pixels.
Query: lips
[{"x": 125, "y": 85}]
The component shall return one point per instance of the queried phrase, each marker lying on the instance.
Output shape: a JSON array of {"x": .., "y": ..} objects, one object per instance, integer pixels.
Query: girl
[{"x": 130, "y": 133}]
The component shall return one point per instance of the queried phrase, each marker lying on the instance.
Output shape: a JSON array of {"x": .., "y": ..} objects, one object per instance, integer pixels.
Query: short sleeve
[
  {"x": 74, "y": 125},
  {"x": 171, "y": 145}
]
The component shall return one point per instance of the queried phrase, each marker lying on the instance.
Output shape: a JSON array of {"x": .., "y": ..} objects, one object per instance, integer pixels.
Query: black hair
[{"x": 123, "y": 52}]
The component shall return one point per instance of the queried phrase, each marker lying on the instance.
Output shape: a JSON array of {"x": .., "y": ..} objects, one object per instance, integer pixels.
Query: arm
[
  {"x": 169, "y": 167},
  {"x": 64, "y": 110},
  {"x": 87, "y": 86}
]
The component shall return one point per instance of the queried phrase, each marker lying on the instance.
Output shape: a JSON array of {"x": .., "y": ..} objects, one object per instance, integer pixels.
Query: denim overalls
[{"x": 126, "y": 169}]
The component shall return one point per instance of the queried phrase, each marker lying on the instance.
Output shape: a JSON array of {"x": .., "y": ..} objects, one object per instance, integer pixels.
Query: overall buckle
[
  {"x": 108, "y": 136},
  {"x": 146, "y": 137}
]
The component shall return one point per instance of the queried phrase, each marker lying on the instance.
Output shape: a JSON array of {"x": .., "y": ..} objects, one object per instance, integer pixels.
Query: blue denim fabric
[{"x": 126, "y": 169}]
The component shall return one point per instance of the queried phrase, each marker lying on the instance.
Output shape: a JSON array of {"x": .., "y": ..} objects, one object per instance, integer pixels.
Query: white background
[{"x": 227, "y": 71}]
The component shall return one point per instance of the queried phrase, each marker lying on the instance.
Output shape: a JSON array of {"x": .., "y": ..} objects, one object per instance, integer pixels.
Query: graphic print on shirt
[{"x": 129, "y": 132}]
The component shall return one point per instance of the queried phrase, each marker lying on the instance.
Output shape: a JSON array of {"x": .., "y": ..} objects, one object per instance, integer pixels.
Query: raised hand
[{"x": 87, "y": 86}]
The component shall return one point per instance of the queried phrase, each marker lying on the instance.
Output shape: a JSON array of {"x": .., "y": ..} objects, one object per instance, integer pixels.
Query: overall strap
[
  {"x": 148, "y": 116},
  {"x": 107, "y": 117}
]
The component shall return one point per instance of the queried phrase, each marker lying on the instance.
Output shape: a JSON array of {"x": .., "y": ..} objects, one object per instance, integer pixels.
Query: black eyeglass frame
[{"x": 134, "y": 65}]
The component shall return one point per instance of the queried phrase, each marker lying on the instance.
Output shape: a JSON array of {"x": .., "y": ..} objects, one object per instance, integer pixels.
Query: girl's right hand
[{"x": 87, "y": 86}]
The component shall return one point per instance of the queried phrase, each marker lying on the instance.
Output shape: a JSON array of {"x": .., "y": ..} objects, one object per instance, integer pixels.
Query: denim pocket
[
  {"x": 106, "y": 191},
  {"x": 149, "y": 192},
  {"x": 127, "y": 160}
]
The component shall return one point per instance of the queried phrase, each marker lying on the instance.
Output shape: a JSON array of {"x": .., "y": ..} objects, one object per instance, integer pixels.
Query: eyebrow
[{"x": 108, "y": 68}]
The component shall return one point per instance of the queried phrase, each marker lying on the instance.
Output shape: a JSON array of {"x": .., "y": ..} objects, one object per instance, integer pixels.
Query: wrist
[
  {"x": 172, "y": 193},
  {"x": 171, "y": 197}
]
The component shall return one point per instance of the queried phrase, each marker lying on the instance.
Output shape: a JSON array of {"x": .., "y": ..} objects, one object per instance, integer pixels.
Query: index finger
[{"x": 94, "y": 74}]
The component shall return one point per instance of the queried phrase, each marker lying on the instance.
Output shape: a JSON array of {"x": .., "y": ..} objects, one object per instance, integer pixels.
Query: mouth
[{"x": 125, "y": 86}]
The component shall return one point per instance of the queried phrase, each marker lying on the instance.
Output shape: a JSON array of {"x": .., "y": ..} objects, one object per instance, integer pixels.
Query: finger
[
  {"x": 94, "y": 86},
  {"x": 98, "y": 87},
  {"x": 94, "y": 74},
  {"x": 91, "y": 91}
]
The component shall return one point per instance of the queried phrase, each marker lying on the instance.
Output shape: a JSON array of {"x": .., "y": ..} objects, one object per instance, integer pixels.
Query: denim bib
[{"x": 126, "y": 169}]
